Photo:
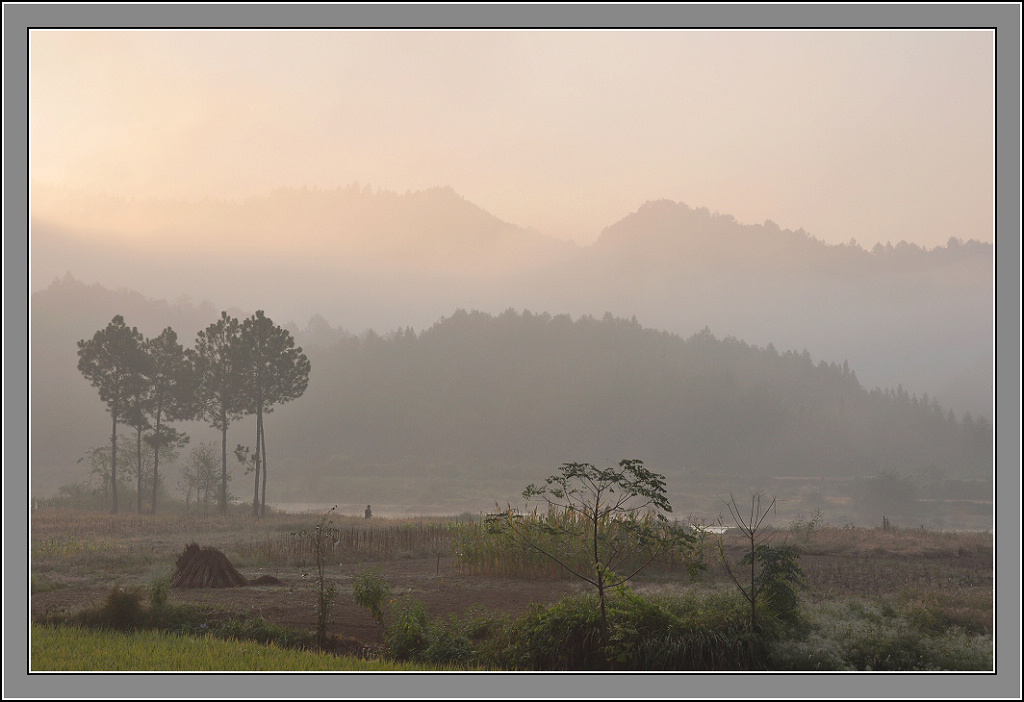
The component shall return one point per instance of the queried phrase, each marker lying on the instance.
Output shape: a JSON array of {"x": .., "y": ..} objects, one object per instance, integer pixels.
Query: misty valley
[
  {"x": 768, "y": 504},
  {"x": 459, "y": 416},
  {"x": 401, "y": 351},
  {"x": 692, "y": 445}
]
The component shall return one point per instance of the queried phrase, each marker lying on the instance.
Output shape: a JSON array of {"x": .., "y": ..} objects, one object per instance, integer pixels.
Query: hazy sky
[{"x": 877, "y": 135}]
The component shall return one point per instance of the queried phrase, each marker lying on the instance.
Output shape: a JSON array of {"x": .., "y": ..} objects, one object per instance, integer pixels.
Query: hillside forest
[{"x": 466, "y": 410}]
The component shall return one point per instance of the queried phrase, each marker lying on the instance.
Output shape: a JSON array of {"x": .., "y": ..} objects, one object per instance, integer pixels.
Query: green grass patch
[{"x": 77, "y": 649}]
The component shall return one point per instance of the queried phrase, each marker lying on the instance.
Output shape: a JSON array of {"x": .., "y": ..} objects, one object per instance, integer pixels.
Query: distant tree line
[
  {"x": 518, "y": 389},
  {"x": 478, "y": 399},
  {"x": 235, "y": 369}
]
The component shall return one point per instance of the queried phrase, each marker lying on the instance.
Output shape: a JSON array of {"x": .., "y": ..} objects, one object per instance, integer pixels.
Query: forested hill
[
  {"x": 522, "y": 389},
  {"x": 478, "y": 398}
]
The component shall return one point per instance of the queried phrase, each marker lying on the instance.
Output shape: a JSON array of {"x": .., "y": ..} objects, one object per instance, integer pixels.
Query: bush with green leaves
[
  {"x": 259, "y": 629},
  {"x": 805, "y": 526},
  {"x": 698, "y": 632},
  {"x": 569, "y": 635},
  {"x": 123, "y": 608},
  {"x": 767, "y": 577},
  {"x": 643, "y": 633},
  {"x": 410, "y": 634},
  {"x": 370, "y": 591},
  {"x": 449, "y": 643},
  {"x": 158, "y": 591},
  {"x": 778, "y": 581},
  {"x": 875, "y": 636},
  {"x": 408, "y": 630}
]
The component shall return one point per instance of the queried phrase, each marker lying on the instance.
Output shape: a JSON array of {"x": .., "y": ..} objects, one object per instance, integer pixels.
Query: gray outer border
[{"x": 1005, "y": 17}]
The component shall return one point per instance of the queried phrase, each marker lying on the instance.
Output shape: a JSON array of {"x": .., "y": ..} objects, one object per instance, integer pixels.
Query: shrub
[
  {"x": 410, "y": 634},
  {"x": 778, "y": 580},
  {"x": 122, "y": 609},
  {"x": 805, "y": 526},
  {"x": 158, "y": 591},
  {"x": 371, "y": 591},
  {"x": 767, "y": 577},
  {"x": 643, "y": 633},
  {"x": 449, "y": 643},
  {"x": 407, "y": 633},
  {"x": 698, "y": 631},
  {"x": 636, "y": 624},
  {"x": 874, "y": 636},
  {"x": 260, "y": 630},
  {"x": 569, "y": 635}
]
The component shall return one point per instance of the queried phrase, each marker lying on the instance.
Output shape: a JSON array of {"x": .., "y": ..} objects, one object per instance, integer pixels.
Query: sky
[{"x": 868, "y": 135}]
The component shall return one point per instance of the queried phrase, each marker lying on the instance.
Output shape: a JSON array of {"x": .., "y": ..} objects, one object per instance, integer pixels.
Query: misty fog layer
[
  {"x": 898, "y": 314},
  {"x": 478, "y": 402}
]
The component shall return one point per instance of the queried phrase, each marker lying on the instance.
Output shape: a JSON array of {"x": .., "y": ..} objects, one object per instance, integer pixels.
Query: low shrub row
[
  {"x": 681, "y": 632},
  {"x": 691, "y": 629},
  {"x": 128, "y": 610}
]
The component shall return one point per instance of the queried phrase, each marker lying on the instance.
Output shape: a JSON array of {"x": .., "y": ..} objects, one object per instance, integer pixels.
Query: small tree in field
[
  {"x": 201, "y": 476},
  {"x": 99, "y": 459},
  {"x": 323, "y": 538},
  {"x": 602, "y": 520},
  {"x": 771, "y": 575}
]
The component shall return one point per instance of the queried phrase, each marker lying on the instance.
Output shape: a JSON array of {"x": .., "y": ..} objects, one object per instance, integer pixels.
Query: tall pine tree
[
  {"x": 170, "y": 394},
  {"x": 219, "y": 383},
  {"x": 276, "y": 371},
  {"x": 114, "y": 362}
]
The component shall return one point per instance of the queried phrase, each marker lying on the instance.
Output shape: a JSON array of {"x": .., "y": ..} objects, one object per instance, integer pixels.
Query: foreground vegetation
[
  {"x": 693, "y": 631},
  {"x": 875, "y": 599},
  {"x": 81, "y": 649},
  {"x": 655, "y": 629}
]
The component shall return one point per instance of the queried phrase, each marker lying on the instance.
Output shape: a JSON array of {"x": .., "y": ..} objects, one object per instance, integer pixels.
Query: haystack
[{"x": 205, "y": 567}]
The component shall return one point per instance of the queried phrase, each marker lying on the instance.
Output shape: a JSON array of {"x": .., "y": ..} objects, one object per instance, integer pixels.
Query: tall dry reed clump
[
  {"x": 352, "y": 541},
  {"x": 483, "y": 548}
]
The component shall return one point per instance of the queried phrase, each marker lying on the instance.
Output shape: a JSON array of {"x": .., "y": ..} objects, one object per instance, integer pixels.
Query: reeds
[
  {"x": 484, "y": 548},
  {"x": 351, "y": 542}
]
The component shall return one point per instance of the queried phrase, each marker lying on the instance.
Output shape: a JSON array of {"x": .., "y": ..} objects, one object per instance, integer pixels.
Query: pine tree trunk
[
  {"x": 156, "y": 461},
  {"x": 138, "y": 464},
  {"x": 256, "y": 463},
  {"x": 224, "y": 463},
  {"x": 113, "y": 460},
  {"x": 263, "y": 447}
]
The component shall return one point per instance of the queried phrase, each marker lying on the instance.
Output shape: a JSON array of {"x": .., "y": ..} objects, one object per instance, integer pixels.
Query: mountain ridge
[{"x": 900, "y": 314}]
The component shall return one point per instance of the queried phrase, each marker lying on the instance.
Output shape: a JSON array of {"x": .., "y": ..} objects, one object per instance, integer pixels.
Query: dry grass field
[{"x": 942, "y": 581}]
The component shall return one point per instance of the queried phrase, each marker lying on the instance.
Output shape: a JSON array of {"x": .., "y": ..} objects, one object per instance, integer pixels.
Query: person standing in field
[{"x": 368, "y": 513}]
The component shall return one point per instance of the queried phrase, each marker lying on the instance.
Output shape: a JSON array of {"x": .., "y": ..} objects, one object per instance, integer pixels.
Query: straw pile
[{"x": 205, "y": 567}]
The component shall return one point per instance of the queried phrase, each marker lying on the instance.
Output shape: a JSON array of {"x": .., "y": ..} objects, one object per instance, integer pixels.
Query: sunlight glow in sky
[{"x": 873, "y": 135}]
